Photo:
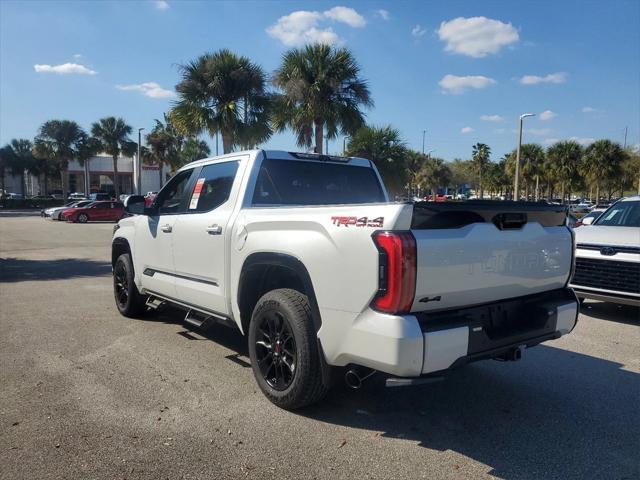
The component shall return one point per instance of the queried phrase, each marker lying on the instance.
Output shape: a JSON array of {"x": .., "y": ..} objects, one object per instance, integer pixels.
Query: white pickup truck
[{"x": 305, "y": 255}]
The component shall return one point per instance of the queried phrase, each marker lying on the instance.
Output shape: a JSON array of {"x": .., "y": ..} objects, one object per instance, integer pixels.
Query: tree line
[{"x": 318, "y": 93}]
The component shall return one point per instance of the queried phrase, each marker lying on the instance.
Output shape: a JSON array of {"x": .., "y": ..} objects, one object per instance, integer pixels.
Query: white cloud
[
  {"x": 466, "y": 130},
  {"x": 559, "y": 77},
  {"x": 491, "y": 118},
  {"x": 64, "y": 69},
  {"x": 550, "y": 141},
  {"x": 346, "y": 15},
  {"x": 547, "y": 115},
  {"x": 455, "y": 84},
  {"x": 588, "y": 110},
  {"x": 148, "y": 89},
  {"x": 477, "y": 36},
  {"x": 584, "y": 141},
  {"x": 383, "y": 14},
  {"x": 539, "y": 132},
  {"x": 77, "y": 55},
  {"x": 161, "y": 4},
  {"x": 418, "y": 31},
  {"x": 303, "y": 27}
]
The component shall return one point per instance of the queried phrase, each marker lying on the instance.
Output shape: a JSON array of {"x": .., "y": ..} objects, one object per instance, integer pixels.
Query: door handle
[
  {"x": 214, "y": 229},
  {"x": 166, "y": 228}
]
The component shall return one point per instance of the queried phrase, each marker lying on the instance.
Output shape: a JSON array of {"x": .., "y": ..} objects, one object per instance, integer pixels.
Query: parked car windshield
[
  {"x": 622, "y": 214},
  {"x": 291, "y": 182}
]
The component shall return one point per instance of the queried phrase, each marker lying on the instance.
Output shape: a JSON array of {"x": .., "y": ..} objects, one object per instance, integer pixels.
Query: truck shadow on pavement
[
  {"x": 612, "y": 312},
  {"x": 23, "y": 270},
  {"x": 554, "y": 414}
]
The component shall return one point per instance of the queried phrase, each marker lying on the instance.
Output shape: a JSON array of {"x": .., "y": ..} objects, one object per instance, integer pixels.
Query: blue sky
[{"x": 462, "y": 71}]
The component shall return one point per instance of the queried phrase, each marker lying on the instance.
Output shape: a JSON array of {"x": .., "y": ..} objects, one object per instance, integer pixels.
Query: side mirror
[
  {"x": 588, "y": 221},
  {"x": 134, "y": 204}
]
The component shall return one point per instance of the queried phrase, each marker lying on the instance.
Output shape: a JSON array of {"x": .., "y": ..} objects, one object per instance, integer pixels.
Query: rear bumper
[{"x": 427, "y": 343}]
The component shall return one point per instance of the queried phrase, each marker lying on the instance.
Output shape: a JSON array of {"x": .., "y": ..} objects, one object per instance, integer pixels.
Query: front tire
[
  {"x": 83, "y": 218},
  {"x": 284, "y": 351},
  {"x": 128, "y": 300}
]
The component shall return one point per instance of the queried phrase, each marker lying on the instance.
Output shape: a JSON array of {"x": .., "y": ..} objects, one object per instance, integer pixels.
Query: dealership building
[{"x": 95, "y": 176}]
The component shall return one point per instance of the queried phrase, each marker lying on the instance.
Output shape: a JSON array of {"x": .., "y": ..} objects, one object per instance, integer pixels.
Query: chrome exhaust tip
[{"x": 352, "y": 379}]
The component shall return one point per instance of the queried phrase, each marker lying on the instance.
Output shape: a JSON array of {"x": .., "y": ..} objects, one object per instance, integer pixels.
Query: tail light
[{"x": 396, "y": 271}]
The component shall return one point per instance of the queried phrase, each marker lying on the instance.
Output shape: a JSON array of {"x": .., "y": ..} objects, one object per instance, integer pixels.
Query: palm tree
[
  {"x": 113, "y": 135},
  {"x": 321, "y": 88},
  {"x": 602, "y": 163},
  {"x": 481, "y": 154},
  {"x": 165, "y": 144},
  {"x": 564, "y": 159},
  {"x": 18, "y": 157},
  {"x": 192, "y": 150},
  {"x": 384, "y": 147},
  {"x": 414, "y": 162},
  {"x": 532, "y": 159},
  {"x": 223, "y": 93},
  {"x": 59, "y": 141},
  {"x": 435, "y": 173}
]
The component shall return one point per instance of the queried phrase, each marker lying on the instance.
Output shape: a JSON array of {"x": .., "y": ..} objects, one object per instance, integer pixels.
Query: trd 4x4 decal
[{"x": 358, "y": 221}]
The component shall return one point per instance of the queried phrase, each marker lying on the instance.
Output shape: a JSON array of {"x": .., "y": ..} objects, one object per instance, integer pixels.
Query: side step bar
[
  {"x": 154, "y": 302},
  {"x": 195, "y": 317}
]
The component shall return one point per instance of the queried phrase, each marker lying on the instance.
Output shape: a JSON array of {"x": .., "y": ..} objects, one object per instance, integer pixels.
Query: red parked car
[{"x": 96, "y": 212}]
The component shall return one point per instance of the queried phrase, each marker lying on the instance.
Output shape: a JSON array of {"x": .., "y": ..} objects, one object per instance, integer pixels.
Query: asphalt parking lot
[{"x": 86, "y": 393}]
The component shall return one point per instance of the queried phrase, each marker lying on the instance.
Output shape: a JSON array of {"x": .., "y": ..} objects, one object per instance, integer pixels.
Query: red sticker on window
[{"x": 196, "y": 194}]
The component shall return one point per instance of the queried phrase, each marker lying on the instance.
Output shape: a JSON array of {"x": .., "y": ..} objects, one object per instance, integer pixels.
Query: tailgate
[{"x": 471, "y": 253}]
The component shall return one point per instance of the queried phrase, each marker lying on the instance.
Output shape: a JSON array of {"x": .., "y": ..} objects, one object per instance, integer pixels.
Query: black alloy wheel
[{"x": 276, "y": 350}]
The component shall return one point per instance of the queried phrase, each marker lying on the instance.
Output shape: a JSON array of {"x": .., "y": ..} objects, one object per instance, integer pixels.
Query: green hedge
[{"x": 13, "y": 203}]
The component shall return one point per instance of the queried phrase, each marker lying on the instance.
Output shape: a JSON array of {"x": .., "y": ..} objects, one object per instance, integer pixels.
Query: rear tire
[
  {"x": 284, "y": 352},
  {"x": 128, "y": 300},
  {"x": 83, "y": 218}
]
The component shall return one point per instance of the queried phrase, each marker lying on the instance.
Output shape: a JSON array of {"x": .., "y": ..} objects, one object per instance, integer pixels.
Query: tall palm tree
[
  {"x": 384, "y": 147},
  {"x": 223, "y": 93},
  {"x": 481, "y": 154},
  {"x": 113, "y": 135},
  {"x": 321, "y": 88},
  {"x": 564, "y": 160},
  {"x": 602, "y": 163},
  {"x": 165, "y": 144},
  {"x": 59, "y": 142}
]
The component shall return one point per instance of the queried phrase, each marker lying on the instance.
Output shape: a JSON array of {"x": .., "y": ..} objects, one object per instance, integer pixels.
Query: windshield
[
  {"x": 290, "y": 182},
  {"x": 622, "y": 214}
]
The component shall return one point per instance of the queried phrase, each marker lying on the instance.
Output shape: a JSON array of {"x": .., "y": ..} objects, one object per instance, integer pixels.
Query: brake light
[{"x": 396, "y": 271}]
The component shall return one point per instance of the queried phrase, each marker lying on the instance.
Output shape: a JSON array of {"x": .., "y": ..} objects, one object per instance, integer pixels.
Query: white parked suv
[
  {"x": 305, "y": 255},
  {"x": 608, "y": 255}
]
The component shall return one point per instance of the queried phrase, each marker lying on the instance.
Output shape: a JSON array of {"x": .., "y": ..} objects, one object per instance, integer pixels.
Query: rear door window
[{"x": 213, "y": 186}]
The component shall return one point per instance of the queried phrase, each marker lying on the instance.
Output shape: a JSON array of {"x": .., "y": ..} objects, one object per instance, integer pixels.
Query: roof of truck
[{"x": 284, "y": 155}]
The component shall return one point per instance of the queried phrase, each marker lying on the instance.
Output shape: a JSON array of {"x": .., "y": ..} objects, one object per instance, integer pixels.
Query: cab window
[
  {"x": 213, "y": 186},
  {"x": 171, "y": 198}
]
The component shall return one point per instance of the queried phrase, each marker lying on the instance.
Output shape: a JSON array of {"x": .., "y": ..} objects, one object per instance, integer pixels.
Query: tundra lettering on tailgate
[{"x": 358, "y": 221}]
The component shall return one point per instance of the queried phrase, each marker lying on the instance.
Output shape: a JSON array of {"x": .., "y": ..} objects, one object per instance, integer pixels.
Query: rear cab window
[{"x": 298, "y": 182}]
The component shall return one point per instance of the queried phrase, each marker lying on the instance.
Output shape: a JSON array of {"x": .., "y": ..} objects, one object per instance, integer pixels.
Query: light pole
[
  {"x": 424, "y": 136},
  {"x": 516, "y": 185},
  {"x": 139, "y": 164},
  {"x": 344, "y": 146}
]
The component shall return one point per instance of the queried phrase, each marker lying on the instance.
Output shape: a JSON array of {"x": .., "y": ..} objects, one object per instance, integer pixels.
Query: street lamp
[
  {"x": 139, "y": 165},
  {"x": 424, "y": 136},
  {"x": 516, "y": 190}
]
